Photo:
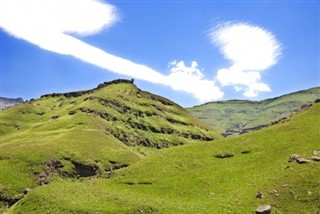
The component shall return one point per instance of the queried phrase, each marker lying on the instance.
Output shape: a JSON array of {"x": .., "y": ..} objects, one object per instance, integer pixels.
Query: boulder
[
  {"x": 315, "y": 158},
  {"x": 264, "y": 209},
  {"x": 302, "y": 160}
]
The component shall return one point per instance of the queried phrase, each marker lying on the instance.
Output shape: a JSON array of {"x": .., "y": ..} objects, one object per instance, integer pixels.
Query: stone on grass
[
  {"x": 316, "y": 152},
  {"x": 293, "y": 157},
  {"x": 315, "y": 158},
  {"x": 264, "y": 209},
  {"x": 303, "y": 160}
]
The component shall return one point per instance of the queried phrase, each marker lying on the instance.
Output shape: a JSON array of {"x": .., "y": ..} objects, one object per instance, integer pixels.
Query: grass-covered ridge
[
  {"x": 195, "y": 179},
  {"x": 238, "y": 116},
  {"x": 88, "y": 133}
]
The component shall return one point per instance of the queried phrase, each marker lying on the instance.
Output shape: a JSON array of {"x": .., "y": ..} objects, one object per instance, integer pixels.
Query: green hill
[
  {"x": 240, "y": 116},
  {"x": 222, "y": 176},
  {"x": 88, "y": 133}
]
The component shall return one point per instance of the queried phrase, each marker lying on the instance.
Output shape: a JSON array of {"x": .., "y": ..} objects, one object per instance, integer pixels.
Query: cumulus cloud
[
  {"x": 55, "y": 25},
  {"x": 191, "y": 79},
  {"x": 251, "y": 50}
]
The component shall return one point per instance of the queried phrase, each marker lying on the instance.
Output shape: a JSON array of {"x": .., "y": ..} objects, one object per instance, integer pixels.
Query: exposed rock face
[
  {"x": 266, "y": 209},
  {"x": 7, "y": 102},
  {"x": 85, "y": 170},
  {"x": 80, "y": 93}
]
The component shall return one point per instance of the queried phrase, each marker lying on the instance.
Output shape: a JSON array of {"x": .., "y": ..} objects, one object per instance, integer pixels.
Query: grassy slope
[
  {"x": 78, "y": 130},
  {"x": 234, "y": 116},
  {"x": 190, "y": 179}
]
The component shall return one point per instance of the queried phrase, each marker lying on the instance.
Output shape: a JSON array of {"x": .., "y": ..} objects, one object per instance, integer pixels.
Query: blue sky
[{"x": 188, "y": 51}]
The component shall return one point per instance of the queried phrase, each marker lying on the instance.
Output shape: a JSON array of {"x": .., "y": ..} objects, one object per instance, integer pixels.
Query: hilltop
[
  {"x": 240, "y": 116},
  {"x": 231, "y": 175},
  {"x": 88, "y": 133}
]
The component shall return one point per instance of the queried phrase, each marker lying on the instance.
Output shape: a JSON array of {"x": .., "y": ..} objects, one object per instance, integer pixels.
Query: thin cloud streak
[{"x": 51, "y": 25}]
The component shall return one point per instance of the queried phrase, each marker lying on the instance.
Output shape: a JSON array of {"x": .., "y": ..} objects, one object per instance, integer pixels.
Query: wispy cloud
[
  {"x": 53, "y": 26},
  {"x": 251, "y": 50},
  {"x": 56, "y": 25}
]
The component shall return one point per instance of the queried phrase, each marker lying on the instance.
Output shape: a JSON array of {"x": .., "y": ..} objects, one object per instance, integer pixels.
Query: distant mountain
[
  {"x": 241, "y": 116},
  {"x": 7, "y": 102},
  {"x": 88, "y": 133}
]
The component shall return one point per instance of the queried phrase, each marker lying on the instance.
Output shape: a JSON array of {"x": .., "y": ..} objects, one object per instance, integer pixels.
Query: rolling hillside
[
  {"x": 232, "y": 175},
  {"x": 240, "y": 116},
  {"x": 88, "y": 133}
]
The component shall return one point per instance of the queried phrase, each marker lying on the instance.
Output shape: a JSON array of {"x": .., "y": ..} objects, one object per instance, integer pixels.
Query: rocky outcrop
[{"x": 80, "y": 93}]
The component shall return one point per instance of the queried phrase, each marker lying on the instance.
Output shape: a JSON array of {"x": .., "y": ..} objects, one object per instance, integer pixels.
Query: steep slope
[
  {"x": 239, "y": 116},
  {"x": 88, "y": 133},
  {"x": 195, "y": 178},
  {"x": 7, "y": 102}
]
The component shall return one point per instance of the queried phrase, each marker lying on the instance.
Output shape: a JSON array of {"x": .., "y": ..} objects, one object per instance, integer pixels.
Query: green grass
[
  {"x": 95, "y": 129},
  {"x": 235, "y": 116},
  {"x": 190, "y": 179}
]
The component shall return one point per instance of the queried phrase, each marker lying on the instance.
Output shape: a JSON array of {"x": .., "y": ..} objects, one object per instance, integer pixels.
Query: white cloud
[
  {"x": 53, "y": 24},
  {"x": 251, "y": 50},
  {"x": 191, "y": 79},
  {"x": 48, "y": 23}
]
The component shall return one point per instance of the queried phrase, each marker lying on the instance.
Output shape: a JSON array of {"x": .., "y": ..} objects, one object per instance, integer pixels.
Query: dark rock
[
  {"x": 154, "y": 130},
  {"x": 245, "y": 152},
  {"x": 317, "y": 100},
  {"x": 9, "y": 201},
  {"x": 72, "y": 112},
  {"x": 173, "y": 121},
  {"x": 306, "y": 105},
  {"x": 227, "y": 155},
  {"x": 259, "y": 195},
  {"x": 55, "y": 117},
  {"x": 25, "y": 191},
  {"x": 50, "y": 168},
  {"x": 85, "y": 170},
  {"x": 80, "y": 93},
  {"x": 265, "y": 209}
]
